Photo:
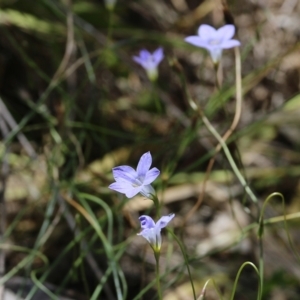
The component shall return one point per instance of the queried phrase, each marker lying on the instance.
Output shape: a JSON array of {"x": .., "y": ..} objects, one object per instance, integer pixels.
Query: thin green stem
[
  {"x": 276, "y": 219},
  {"x": 157, "y": 254},
  {"x": 262, "y": 222},
  {"x": 247, "y": 263},
  {"x": 185, "y": 260},
  {"x": 261, "y": 266},
  {"x": 155, "y": 96},
  {"x": 231, "y": 161},
  {"x": 157, "y": 205},
  {"x": 212, "y": 130},
  {"x": 218, "y": 79}
]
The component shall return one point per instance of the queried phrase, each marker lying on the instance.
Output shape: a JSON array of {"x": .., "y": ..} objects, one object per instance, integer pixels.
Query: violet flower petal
[
  {"x": 125, "y": 173},
  {"x": 144, "y": 63},
  {"x": 150, "y": 235},
  {"x": 144, "y": 165},
  {"x": 146, "y": 222},
  {"x": 225, "y": 32},
  {"x": 145, "y": 54},
  {"x": 124, "y": 188},
  {"x": 158, "y": 55},
  {"x": 230, "y": 44},
  {"x": 151, "y": 175},
  {"x": 138, "y": 59},
  {"x": 147, "y": 191},
  {"x": 196, "y": 41},
  {"x": 206, "y": 32},
  {"x": 133, "y": 192},
  {"x": 164, "y": 221}
]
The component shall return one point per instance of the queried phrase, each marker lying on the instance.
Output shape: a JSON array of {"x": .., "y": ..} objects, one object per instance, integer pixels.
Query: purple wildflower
[
  {"x": 150, "y": 61},
  {"x": 214, "y": 40},
  {"x": 151, "y": 230},
  {"x": 131, "y": 182}
]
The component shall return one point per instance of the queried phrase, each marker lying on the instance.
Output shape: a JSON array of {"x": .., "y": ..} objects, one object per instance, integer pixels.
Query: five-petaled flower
[
  {"x": 151, "y": 230},
  {"x": 214, "y": 40},
  {"x": 150, "y": 62},
  {"x": 131, "y": 182}
]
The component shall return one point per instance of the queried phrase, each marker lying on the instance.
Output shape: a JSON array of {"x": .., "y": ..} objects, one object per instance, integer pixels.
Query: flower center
[
  {"x": 137, "y": 182},
  {"x": 214, "y": 42},
  {"x": 151, "y": 63}
]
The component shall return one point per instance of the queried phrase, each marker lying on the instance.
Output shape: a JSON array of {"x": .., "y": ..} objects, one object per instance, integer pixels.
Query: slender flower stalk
[
  {"x": 214, "y": 40},
  {"x": 150, "y": 62},
  {"x": 131, "y": 182},
  {"x": 110, "y": 4},
  {"x": 230, "y": 130},
  {"x": 157, "y": 254},
  {"x": 231, "y": 161}
]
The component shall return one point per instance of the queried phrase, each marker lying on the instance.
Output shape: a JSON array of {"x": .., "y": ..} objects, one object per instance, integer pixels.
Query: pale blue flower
[
  {"x": 131, "y": 182},
  {"x": 150, "y": 61},
  {"x": 151, "y": 230},
  {"x": 214, "y": 40}
]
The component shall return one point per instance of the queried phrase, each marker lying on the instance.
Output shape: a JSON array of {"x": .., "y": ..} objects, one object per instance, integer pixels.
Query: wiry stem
[
  {"x": 156, "y": 254},
  {"x": 3, "y": 177},
  {"x": 237, "y": 115},
  {"x": 221, "y": 141},
  {"x": 231, "y": 161}
]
